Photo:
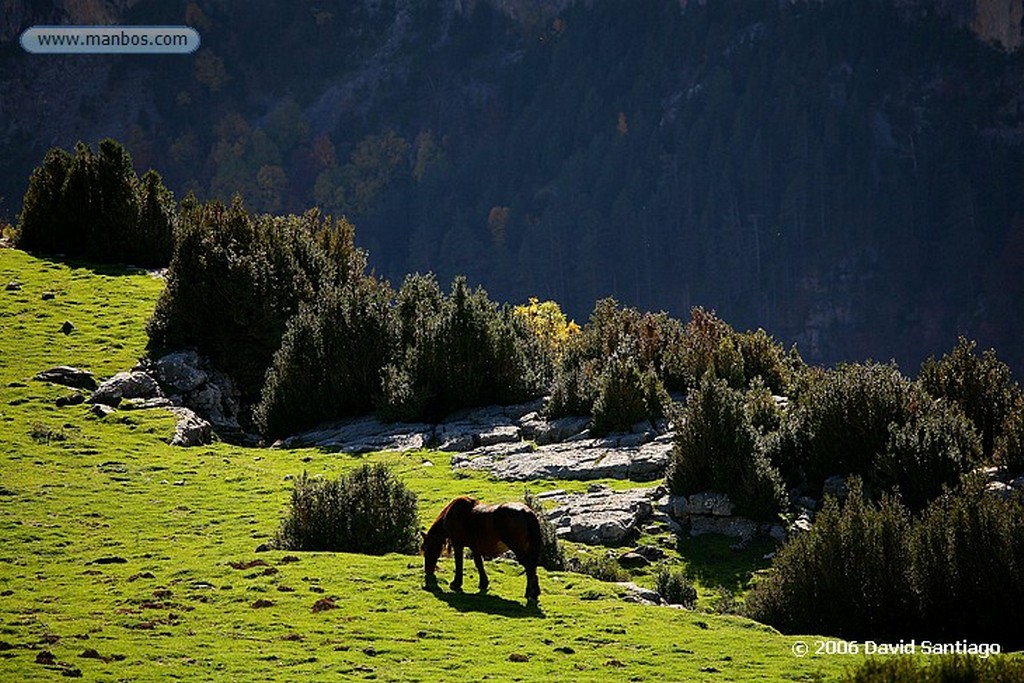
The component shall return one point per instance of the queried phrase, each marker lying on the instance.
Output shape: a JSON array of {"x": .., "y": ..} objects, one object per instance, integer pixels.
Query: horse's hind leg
[
  {"x": 478, "y": 560},
  {"x": 456, "y": 584}
]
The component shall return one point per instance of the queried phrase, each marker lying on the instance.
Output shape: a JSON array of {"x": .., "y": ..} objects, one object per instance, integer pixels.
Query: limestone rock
[
  {"x": 363, "y": 435},
  {"x": 191, "y": 429},
  {"x": 180, "y": 372},
  {"x": 600, "y": 516},
  {"x": 133, "y": 384}
]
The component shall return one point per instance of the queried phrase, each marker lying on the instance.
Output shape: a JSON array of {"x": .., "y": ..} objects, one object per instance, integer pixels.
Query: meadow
[{"x": 123, "y": 558}]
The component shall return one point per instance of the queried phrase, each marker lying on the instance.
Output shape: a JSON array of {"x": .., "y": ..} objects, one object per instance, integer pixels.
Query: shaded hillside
[{"x": 841, "y": 174}]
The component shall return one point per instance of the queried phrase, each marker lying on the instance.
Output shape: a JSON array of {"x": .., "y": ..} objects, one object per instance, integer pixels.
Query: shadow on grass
[
  {"x": 489, "y": 604},
  {"x": 713, "y": 561}
]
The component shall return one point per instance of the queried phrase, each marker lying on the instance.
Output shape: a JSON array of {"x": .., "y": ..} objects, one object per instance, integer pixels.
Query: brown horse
[{"x": 488, "y": 531}]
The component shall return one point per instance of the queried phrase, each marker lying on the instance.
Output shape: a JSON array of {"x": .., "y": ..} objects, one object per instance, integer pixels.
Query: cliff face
[
  {"x": 999, "y": 21},
  {"x": 18, "y": 15}
]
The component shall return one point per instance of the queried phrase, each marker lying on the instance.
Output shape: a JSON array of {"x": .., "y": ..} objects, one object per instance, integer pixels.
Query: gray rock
[
  {"x": 999, "y": 488},
  {"x": 651, "y": 553},
  {"x": 13, "y": 286},
  {"x": 101, "y": 410},
  {"x": 544, "y": 431},
  {"x": 576, "y": 460},
  {"x": 631, "y": 592},
  {"x": 602, "y": 516},
  {"x": 363, "y": 435},
  {"x": 180, "y": 371},
  {"x": 191, "y": 430},
  {"x": 702, "y": 503},
  {"x": 802, "y": 524},
  {"x": 633, "y": 560},
  {"x": 777, "y": 532},
  {"x": 736, "y": 527},
  {"x": 836, "y": 487},
  {"x": 67, "y": 327},
  {"x": 124, "y": 385},
  {"x": 68, "y": 376},
  {"x": 145, "y": 403}
]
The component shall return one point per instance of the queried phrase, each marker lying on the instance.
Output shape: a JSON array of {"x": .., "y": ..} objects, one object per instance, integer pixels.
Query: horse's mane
[
  {"x": 449, "y": 506},
  {"x": 446, "y": 547}
]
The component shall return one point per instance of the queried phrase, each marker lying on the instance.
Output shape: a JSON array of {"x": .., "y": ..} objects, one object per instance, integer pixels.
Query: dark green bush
[
  {"x": 1009, "y": 448},
  {"x": 367, "y": 511},
  {"x": 675, "y": 588},
  {"x": 941, "y": 669},
  {"x": 552, "y": 555},
  {"x": 982, "y": 386},
  {"x": 93, "y": 206},
  {"x": 457, "y": 352},
  {"x": 873, "y": 571},
  {"x": 969, "y": 567},
  {"x": 848, "y": 576},
  {"x": 600, "y": 567},
  {"x": 717, "y": 448},
  {"x": 626, "y": 396},
  {"x": 618, "y": 368},
  {"x": 235, "y": 281},
  {"x": 840, "y": 425},
  {"x": 932, "y": 450},
  {"x": 330, "y": 361},
  {"x": 766, "y": 359}
]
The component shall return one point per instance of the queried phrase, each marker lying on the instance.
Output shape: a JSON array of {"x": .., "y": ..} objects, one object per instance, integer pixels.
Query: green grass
[{"x": 116, "y": 544}]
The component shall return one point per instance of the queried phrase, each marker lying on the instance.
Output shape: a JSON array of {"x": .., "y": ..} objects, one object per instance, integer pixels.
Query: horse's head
[{"x": 432, "y": 544}]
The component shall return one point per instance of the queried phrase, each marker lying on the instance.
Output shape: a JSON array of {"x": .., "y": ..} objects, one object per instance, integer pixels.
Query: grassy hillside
[{"x": 126, "y": 559}]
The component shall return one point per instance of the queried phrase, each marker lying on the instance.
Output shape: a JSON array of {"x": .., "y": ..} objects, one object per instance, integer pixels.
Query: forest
[{"x": 841, "y": 174}]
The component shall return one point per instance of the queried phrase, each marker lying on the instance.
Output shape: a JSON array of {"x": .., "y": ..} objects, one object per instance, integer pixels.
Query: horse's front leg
[
  {"x": 456, "y": 584},
  {"x": 479, "y": 561}
]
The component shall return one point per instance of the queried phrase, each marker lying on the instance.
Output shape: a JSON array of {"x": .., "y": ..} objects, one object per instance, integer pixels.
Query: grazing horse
[{"x": 488, "y": 531}]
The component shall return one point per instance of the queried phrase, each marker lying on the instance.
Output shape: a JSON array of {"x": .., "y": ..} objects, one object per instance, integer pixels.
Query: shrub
[
  {"x": 367, "y": 511},
  {"x": 764, "y": 359},
  {"x": 840, "y": 424},
  {"x": 1009, "y": 448},
  {"x": 968, "y": 553},
  {"x": 546, "y": 320},
  {"x": 330, "y": 361},
  {"x": 716, "y": 448},
  {"x": 552, "y": 555},
  {"x": 458, "y": 351},
  {"x": 873, "y": 571},
  {"x": 93, "y": 206},
  {"x": 675, "y": 588},
  {"x": 626, "y": 396},
  {"x": 932, "y": 450},
  {"x": 235, "y": 280},
  {"x": 942, "y": 669},
  {"x": 848, "y": 576},
  {"x": 600, "y": 567},
  {"x": 617, "y": 367},
  {"x": 981, "y": 385}
]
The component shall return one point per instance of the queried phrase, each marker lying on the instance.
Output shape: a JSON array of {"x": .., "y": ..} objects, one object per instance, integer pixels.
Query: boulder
[
  {"x": 133, "y": 384},
  {"x": 363, "y": 435},
  {"x": 600, "y": 516},
  {"x": 102, "y": 410},
  {"x": 633, "y": 560},
  {"x": 836, "y": 487},
  {"x": 736, "y": 527},
  {"x": 191, "y": 430},
  {"x": 702, "y": 503},
  {"x": 631, "y": 592},
  {"x": 68, "y": 376},
  {"x": 543, "y": 431},
  {"x": 180, "y": 372},
  {"x": 576, "y": 460}
]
